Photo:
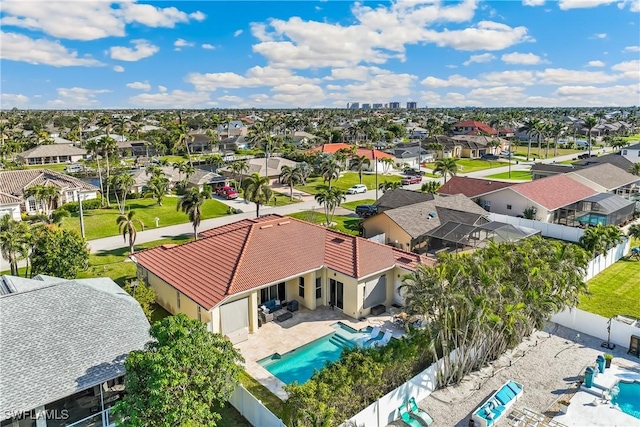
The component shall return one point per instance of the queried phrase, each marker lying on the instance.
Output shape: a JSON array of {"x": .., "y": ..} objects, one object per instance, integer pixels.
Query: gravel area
[{"x": 548, "y": 364}]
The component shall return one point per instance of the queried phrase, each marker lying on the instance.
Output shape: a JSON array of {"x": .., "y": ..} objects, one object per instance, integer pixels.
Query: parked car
[
  {"x": 74, "y": 168},
  {"x": 411, "y": 180},
  {"x": 227, "y": 192},
  {"x": 365, "y": 211},
  {"x": 413, "y": 172},
  {"x": 586, "y": 156},
  {"x": 506, "y": 153},
  {"x": 489, "y": 157},
  {"x": 358, "y": 188}
]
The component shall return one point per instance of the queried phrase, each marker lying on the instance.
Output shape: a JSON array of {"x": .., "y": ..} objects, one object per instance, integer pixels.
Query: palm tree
[
  {"x": 590, "y": 123},
  {"x": 46, "y": 195},
  {"x": 556, "y": 131},
  {"x": 330, "y": 199},
  {"x": 257, "y": 190},
  {"x": 108, "y": 145},
  {"x": 290, "y": 176},
  {"x": 182, "y": 138},
  {"x": 330, "y": 170},
  {"x": 95, "y": 148},
  {"x": 618, "y": 143},
  {"x": 389, "y": 185},
  {"x": 635, "y": 169},
  {"x": 122, "y": 184},
  {"x": 239, "y": 168},
  {"x": 214, "y": 160},
  {"x": 191, "y": 204},
  {"x": 127, "y": 225},
  {"x": 157, "y": 187},
  {"x": 447, "y": 166},
  {"x": 530, "y": 128},
  {"x": 358, "y": 163},
  {"x": 634, "y": 231},
  {"x": 431, "y": 187},
  {"x": 387, "y": 163},
  {"x": 13, "y": 241}
]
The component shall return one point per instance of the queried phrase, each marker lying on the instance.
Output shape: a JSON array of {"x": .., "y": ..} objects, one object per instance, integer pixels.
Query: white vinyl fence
[
  {"x": 253, "y": 410},
  {"x": 604, "y": 261},
  {"x": 556, "y": 231},
  {"x": 385, "y": 410},
  {"x": 595, "y": 325}
]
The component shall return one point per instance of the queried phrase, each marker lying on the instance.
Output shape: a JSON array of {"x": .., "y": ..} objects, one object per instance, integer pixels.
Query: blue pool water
[
  {"x": 300, "y": 364},
  {"x": 628, "y": 399}
]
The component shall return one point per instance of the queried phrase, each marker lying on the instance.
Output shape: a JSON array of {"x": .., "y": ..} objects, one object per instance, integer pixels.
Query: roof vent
[
  {"x": 266, "y": 226},
  {"x": 168, "y": 245},
  {"x": 432, "y": 214},
  {"x": 337, "y": 240}
]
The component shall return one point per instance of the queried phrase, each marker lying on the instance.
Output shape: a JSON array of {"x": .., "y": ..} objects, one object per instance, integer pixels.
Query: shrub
[{"x": 87, "y": 205}]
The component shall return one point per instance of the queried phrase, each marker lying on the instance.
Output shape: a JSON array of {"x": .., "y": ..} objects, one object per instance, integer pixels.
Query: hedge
[{"x": 87, "y": 205}]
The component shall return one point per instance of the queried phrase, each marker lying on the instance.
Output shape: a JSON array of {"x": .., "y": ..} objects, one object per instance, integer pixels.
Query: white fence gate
[
  {"x": 253, "y": 410},
  {"x": 596, "y": 325}
]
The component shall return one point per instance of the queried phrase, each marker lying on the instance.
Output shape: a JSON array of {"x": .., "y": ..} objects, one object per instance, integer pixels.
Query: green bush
[{"x": 87, "y": 205}]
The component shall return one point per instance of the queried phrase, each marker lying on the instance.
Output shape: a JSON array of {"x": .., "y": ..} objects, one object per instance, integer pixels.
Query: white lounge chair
[
  {"x": 384, "y": 340},
  {"x": 375, "y": 331}
]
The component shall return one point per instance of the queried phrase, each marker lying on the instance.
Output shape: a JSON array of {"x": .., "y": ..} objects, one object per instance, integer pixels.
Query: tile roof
[
  {"x": 8, "y": 199},
  {"x": 52, "y": 151},
  {"x": 471, "y": 187},
  {"x": 253, "y": 252},
  {"x": 64, "y": 337},
  {"x": 607, "y": 175},
  {"x": 15, "y": 182},
  {"x": 475, "y": 124},
  {"x": 554, "y": 192},
  {"x": 368, "y": 152}
]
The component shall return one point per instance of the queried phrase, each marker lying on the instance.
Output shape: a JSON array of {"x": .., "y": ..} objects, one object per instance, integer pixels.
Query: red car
[
  {"x": 411, "y": 180},
  {"x": 227, "y": 192}
]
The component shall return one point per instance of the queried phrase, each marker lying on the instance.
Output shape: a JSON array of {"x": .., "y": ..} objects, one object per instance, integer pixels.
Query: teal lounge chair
[
  {"x": 416, "y": 412},
  {"x": 406, "y": 418}
]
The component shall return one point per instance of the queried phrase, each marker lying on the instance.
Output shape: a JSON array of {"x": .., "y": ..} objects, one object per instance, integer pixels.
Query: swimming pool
[
  {"x": 299, "y": 364},
  {"x": 628, "y": 398}
]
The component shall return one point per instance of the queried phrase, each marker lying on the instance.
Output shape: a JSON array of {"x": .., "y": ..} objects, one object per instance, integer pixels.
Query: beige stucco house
[{"x": 223, "y": 278}]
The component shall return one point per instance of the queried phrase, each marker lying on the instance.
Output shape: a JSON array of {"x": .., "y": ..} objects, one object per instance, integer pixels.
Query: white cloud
[
  {"x": 629, "y": 69},
  {"x": 632, "y": 49},
  {"x": 455, "y": 80},
  {"x": 561, "y": 76},
  {"x": 175, "y": 98},
  {"x": 379, "y": 87},
  {"x": 298, "y": 95},
  {"x": 485, "y": 57},
  {"x": 141, "y": 49},
  {"x": 18, "y": 47},
  {"x": 10, "y": 100},
  {"x": 231, "y": 98},
  {"x": 139, "y": 85},
  {"x": 533, "y": 2},
  {"x": 595, "y": 64},
  {"x": 118, "y": 68},
  {"x": 90, "y": 19},
  {"x": 359, "y": 72},
  {"x": 486, "y": 35},
  {"x": 183, "y": 43},
  {"x": 77, "y": 97},
  {"x": 254, "y": 77},
  {"x": 208, "y": 46},
  {"x": 162, "y": 89},
  {"x": 618, "y": 95},
  {"x": 237, "y": 33},
  {"x": 582, "y": 4},
  {"x": 521, "y": 58},
  {"x": 599, "y": 36}
]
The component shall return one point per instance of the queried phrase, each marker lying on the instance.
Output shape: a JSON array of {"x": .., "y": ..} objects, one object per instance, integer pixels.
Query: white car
[{"x": 358, "y": 188}]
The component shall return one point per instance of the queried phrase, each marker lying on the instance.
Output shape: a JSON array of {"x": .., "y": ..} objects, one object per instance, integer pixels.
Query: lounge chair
[
  {"x": 384, "y": 340},
  {"x": 373, "y": 334},
  {"x": 416, "y": 412},
  {"x": 406, "y": 418}
]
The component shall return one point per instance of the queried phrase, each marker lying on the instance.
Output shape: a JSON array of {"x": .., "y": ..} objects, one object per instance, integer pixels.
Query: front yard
[
  {"x": 472, "y": 165},
  {"x": 345, "y": 223},
  {"x": 352, "y": 205},
  {"x": 515, "y": 175},
  {"x": 346, "y": 180},
  {"x": 102, "y": 222}
]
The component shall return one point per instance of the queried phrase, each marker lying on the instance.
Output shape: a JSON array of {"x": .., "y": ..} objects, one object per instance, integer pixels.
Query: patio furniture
[
  {"x": 406, "y": 418},
  {"x": 272, "y": 305},
  {"x": 416, "y": 412},
  {"x": 498, "y": 404},
  {"x": 265, "y": 316},
  {"x": 284, "y": 316},
  {"x": 375, "y": 331},
  {"x": 383, "y": 341},
  {"x": 292, "y": 306},
  {"x": 378, "y": 309}
]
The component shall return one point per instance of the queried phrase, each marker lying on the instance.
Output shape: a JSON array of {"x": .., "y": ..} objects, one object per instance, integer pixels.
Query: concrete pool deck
[{"x": 305, "y": 326}]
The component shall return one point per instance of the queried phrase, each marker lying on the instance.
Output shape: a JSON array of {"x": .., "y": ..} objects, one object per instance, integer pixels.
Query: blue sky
[{"x": 288, "y": 54}]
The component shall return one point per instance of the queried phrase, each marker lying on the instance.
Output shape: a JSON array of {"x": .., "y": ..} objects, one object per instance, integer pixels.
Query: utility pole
[{"x": 81, "y": 214}]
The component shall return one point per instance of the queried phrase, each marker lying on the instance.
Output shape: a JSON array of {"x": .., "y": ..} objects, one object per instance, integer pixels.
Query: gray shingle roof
[
  {"x": 399, "y": 197},
  {"x": 607, "y": 175},
  {"x": 614, "y": 158},
  {"x": 65, "y": 337}
]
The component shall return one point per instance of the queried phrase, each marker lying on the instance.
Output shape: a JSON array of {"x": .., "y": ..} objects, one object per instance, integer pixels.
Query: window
[
  {"x": 301, "y": 287},
  {"x": 32, "y": 205},
  {"x": 318, "y": 287},
  {"x": 509, "y": 207},
  {"x": 199, "y": 314},
  {"x": 178, "y": 297}
]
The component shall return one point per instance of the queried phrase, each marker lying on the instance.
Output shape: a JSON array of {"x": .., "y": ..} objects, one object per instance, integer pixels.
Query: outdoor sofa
[{"x": 498, "y": 405}]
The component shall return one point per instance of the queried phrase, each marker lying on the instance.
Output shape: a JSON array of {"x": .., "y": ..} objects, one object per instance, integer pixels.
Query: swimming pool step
[{"x": 340, "y": 341}]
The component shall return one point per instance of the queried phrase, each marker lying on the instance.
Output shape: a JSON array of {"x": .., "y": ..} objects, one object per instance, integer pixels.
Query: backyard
[
  {"x": 346, "y": 180},
  {"x": 515, "y": 175},
  {"x": 102, "y": 222}
]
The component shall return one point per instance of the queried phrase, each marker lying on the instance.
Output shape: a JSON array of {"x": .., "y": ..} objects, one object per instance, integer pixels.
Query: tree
[
  {"x": 387, "y": 163},
  {"x": 634, "y": 231},
  {"x": 257, "y": 190},
  {"x": 330, "y": 170},
  {"x": 94, "y": 147},
  {"x": 389, "y": 185},
  {"x": 144, "y": 294},
  {"x": 46, "y": 195},
  {"x": 530, "y": 128},
  {"x": 446, "y": 166},
  {"x": 13, "y": 241},
  {"x": 618, "y": 143},
  {"x": 431, "y": 187},
  {"x": 599, "y": 239},
  {"x": 239, "y": 168},
  {"x": 635, "y": 169},
  {"x": 358, "y": 163},
  {"x": 181, "y": 378},
  {"x": 330, "y": 199},
  {"x": 58, "y": 252},
  {"x": 291, "y": 177},
  {"x": 590, "y": 123},
  {"x": 182, "y": 138},
  {"x": 191, "y": 204},
  {"x": 127, "y": 226},
  {"x": 157, "y": 187},
  {"x": 108, "y": 146},
  {"x": 122, "y": 184}
]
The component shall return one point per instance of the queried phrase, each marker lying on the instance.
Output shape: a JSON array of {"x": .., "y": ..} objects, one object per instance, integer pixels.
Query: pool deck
[
  {"x": 587, "y": 408},
  {"x": 304, "y": 327}
]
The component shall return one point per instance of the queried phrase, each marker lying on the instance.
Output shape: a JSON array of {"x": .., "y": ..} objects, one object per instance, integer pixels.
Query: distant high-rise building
[
  {"x": 366, "y": 106},
  {"x": 353, "y": 105},
  {"x": 375, "y": 106},
  {"x": 412, "y": 105},
  {"x": 394, "y": 105}
]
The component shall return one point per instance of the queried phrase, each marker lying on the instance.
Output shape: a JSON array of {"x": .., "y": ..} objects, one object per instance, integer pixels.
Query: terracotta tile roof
[
  {"x": 554, "y": 192},
  {"x": 471, "y": 187},
  {"x": 15, "y": 182},
  {"x": 477, "y": 125},
  {"x": 368, "y": 152},
  {"x": 253, "y": 252}
]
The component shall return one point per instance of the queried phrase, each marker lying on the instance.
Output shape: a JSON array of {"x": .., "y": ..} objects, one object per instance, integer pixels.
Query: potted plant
[
  {"x": 564, "y": 405},
  {"x": 607, "y": 360}
]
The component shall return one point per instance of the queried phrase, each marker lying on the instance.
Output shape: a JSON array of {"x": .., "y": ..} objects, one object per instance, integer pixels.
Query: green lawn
[
  {"x": 352, "y": 205},
  {"x": 515, "y": 175},
  {"x": 346, "y": 180},
  {"x": 345, "y": 223},
  {"x": 102, "y": 222},
  {"x": 263, "y": 394},
  {"x": 635, "y": 137},
  {"x": 615, "y": 290},
  {"x": 54, "y": 167},
  {"x": 471, "y": 165},
  {"x": 282, "y": 199},
  {"x": 522, "y": 151}
]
